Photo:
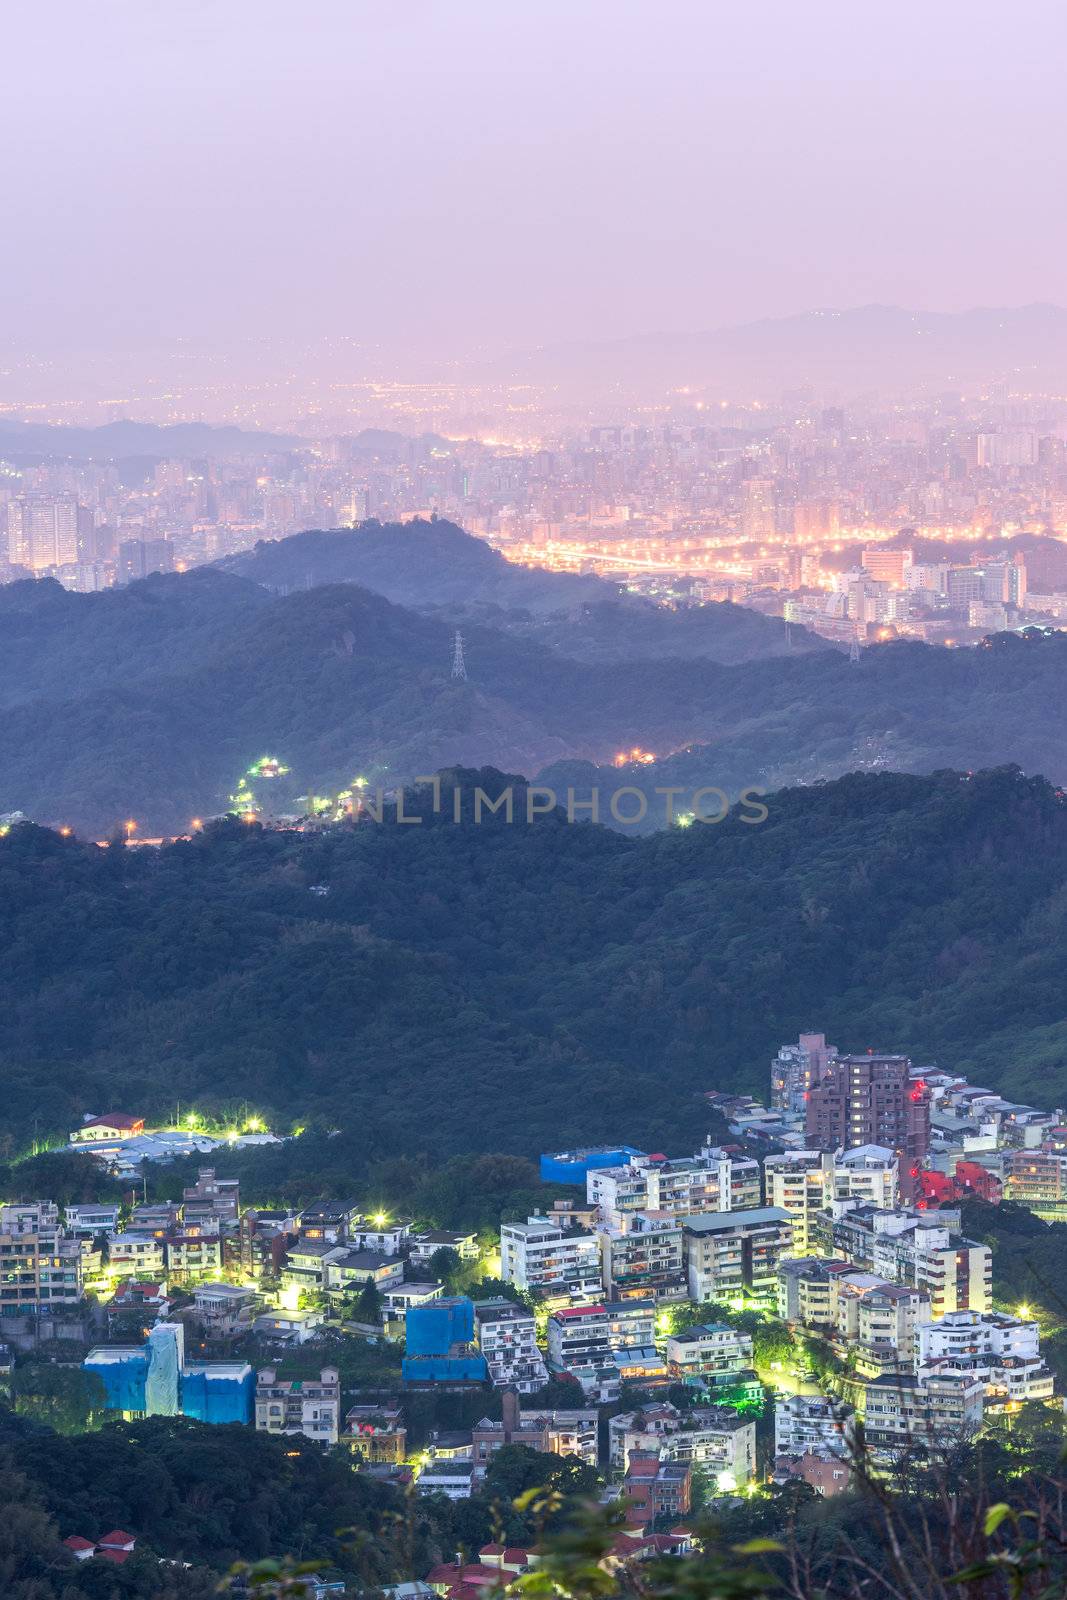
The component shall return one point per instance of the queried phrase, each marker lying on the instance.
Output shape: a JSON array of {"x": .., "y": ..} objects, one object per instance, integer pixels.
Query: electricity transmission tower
[
  {"x": 854, "y": 653},
  {"x": 459, "y": 666}
]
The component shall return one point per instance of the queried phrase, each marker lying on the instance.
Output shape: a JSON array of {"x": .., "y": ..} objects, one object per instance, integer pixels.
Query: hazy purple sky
[{"x": 443, "y": 173}]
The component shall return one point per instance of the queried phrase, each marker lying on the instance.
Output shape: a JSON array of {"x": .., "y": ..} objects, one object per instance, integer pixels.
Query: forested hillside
[
  {"x": 436, "y": 564},
  {"x": 516, "y": 986},
  {"x": 149, "y": 703}
]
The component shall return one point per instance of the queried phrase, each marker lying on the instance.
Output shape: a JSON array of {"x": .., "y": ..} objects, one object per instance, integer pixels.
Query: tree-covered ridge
[
  {"x": 150, "y": 702},
  {"x": 437, "y": 565},
  {"x": 526, "y": 986}
]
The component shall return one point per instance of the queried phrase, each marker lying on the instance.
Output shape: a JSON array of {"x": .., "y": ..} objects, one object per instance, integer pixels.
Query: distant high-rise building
[
  {"x": 888, "y": 566},
  {"x": 43, "y": 533},
  {"x": 757, "y": 508},
  {"x": 872, "y": 1099},
  {"x": 139, "y": 557},
  {"x": 796, "y": 1067}
]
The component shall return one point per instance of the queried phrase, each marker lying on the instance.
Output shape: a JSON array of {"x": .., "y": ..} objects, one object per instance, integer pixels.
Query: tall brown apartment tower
[{"x": 871, "y": 1099}]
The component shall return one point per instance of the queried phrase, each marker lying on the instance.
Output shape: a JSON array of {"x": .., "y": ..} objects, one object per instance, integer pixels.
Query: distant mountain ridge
[
  {"x": 855, "y": 350},
  {"x": 119, "y": 440},
  {"x": 436, "y": 564},
  {"x": 151, "y": 701}
]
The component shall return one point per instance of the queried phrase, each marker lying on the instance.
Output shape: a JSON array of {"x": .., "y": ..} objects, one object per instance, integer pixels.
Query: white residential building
[
  {"x": 311, "y": 1406},
  {"x": 711, "y": 1180},
  {"x": 709, "y": 1353},
  {"x": 812, "y": 1422},
  {"x": 604, "y": 1345},
  {"x": 870, "y": 1174},
  {"x": 543, "y": 1258},
  {"x": 715, "y": 1438},
  {"x": 802, "y": 1183},
  {"x": 1003, "y": 1352},
  {"x": 135, "y": 1255},
  {"x": 506, "y": 1335}
]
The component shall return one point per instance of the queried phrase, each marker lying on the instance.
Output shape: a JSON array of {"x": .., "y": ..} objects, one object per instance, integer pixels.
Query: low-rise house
[
  {"x": 400, "y": 1297},
  {"x": 191, "y": 1255},
  {"x": 328, "y": 1222},
  {"x": 311, "y": 1406},
  {"x": 114, "y": 1125},
  {"x": 157, "y": 1220},
  {"x": 98, "y": 1218},
  {"x": 426, "y": 1244},
  {"x": 662, "y": 1488},
  {"x": 827, "y": 1474},
  {"x": 135, "y": 1255},
  {"x": 351, "y": 1269},
  {"x": 376, "y": 1434},
  {"x": 454, "y": 1479},
  {"x": 306, "y": 1264},
  {"x": 289, "y": 1327},
  {"x": 148, "y": 1303},
  {"x": 378, "y": 1233},
  {"x": 224, "y": 1308}
]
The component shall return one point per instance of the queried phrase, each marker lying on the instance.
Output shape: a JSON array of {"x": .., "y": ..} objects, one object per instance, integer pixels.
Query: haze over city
[{"x": 416, "y": 190}]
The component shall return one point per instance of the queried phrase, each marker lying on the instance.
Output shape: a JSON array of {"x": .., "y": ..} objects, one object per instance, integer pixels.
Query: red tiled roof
[
  {"x": 115, "y": 1119},
  {"x": 117, "y": 1539},
  {"x": 114, "y": 1555},
  {"x": 76, "y": 1542}
]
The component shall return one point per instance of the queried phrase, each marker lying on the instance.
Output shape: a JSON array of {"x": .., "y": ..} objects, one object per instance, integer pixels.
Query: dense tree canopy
[{"x": 524, "y": 987}]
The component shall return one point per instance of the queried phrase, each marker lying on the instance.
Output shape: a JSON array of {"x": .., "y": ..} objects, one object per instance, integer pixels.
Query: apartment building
[
  {"x": 870, "y": 1173},
  {"x": 733, "y": 1256},
  {"x": 546, "y": 1259},
  {"x": 711, "y": 1353},
  {"x": 812, "y": 1422},
  {"x": 717, "y": 1439},
  {"x": 802, "y": 1183},
  {"x": 905, "y": 1413},
  {"x": 647, "y": 1259},
  {"x": 136, "y": 1255},
  {"x": 712, "y": 1180},
  {"x": 1000, "y": 1350},
  {"x": 40, "y": 1269},
  {"x": 880, "y": 1320},
  {"x": 602, "y": 1345},
  {"x": 506, "y": 1334},
  {"x": 872, "y": 1099}
]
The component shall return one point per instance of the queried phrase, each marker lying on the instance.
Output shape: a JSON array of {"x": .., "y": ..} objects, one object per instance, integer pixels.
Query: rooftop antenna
[
  {"x": 459, "y": 666},
  {"x": 854, "y": 652}
]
